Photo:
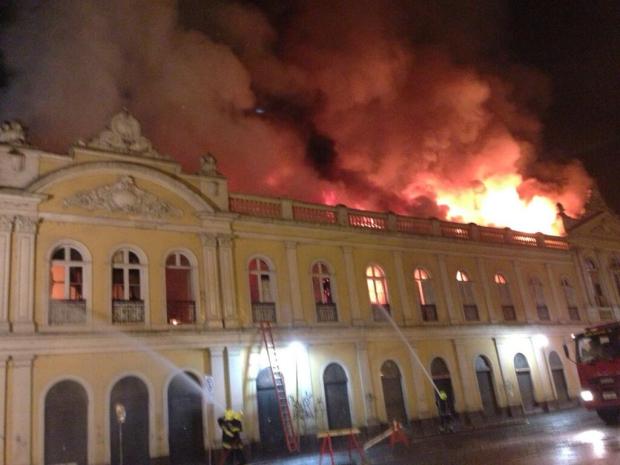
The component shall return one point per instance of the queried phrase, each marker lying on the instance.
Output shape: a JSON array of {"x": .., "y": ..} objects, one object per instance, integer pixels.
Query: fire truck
[{"x": 598, "y": 364}]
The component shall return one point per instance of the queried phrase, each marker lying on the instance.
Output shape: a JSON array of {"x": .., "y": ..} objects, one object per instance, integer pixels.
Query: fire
[{"x": 497, "y": 203}]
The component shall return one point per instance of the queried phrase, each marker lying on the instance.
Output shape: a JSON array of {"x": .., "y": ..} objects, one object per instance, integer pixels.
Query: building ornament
[
  {"x": 124, "y": 135},
  {"x": 26, "y": 224},
  {"x": 208, "y": 240},
  {"x": 122, "y": 196},
  {"x": 208, "y": 165},
  {"x": 225, "y": 241},
  {"x": 12, "y": 132},
  {"x": 6, "y": 223}
]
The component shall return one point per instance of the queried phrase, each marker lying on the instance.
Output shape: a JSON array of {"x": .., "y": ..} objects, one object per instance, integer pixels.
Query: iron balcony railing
[
  {"x": 377, "y": 311},
  {"x": 429, "y": 312},
  {"x": 66, "y": 312},
  {"x": 181, "y": 312},
  {"x": 509, "y": 312},
  {"x": 573, "y": 313},
  {"x": 127, "y": 311},
  {"x": 326, "y": 313},
  {"x": 264, "y": 311},
  {"x": 471, "y": 312},
  {"x": 543, "y": 312}
]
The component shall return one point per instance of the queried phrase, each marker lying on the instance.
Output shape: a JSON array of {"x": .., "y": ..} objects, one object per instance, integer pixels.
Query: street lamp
[{"x": 121, "y": 416}]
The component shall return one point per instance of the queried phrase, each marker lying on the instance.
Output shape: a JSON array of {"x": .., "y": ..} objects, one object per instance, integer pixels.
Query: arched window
[
  {"x": 505, "y": 297},
  {"x": 323, "y": 293},
  {"x": 67, "y": 301},
  {"x": 127, "y": 287},
  {"x": 557, "y": 373},
  {"x": 538, "y": 295},
  {"x": 261, "y": 291},
  {"x": 571, "y": 299},
  {"x": 466, "y": 291},
  {"x": 484, "y": 374},
  {"x": 180, "y": 301},
  {"x": 335, "y": 383},
  {"x": 524, "y": 379},
  {"x": 595, "y": 283},
  {"x": 377, "y": 291},
  {"x": 426, "y": 296}
]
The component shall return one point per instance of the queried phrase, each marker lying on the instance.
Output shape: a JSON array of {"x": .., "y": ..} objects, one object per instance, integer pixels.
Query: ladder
[{"x": 292, "y": 441}]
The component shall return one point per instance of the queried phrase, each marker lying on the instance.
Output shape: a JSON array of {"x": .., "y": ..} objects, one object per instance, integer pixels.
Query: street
[{"x": 570, "y": 437}]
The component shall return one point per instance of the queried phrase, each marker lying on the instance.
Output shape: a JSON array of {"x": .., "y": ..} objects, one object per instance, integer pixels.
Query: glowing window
[
  {"x": 377, "y": 285},
  {"x": 180, "y": 302},
  {"x": 127, "y": 276},
  {"x": 67, "y": 274},
  {"x": 424, "y": 286},
  {"x": 461, "y": 276},
  {"x": 499, "y": 279},
  {"x": 595, "y": 283},
  {"x": 261, "y": 281},
  {"x": 322, "y": 284}
]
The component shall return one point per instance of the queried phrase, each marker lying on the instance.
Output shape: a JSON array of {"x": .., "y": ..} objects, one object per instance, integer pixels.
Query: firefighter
[
  {"x": 445, "y": 416},
  {"x": 231, "y": 424}
]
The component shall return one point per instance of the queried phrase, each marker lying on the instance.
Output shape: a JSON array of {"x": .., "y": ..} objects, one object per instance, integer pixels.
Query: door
[
  {"x": 131, "y": 439},
  {"x": 524, "y": 379},
  {"x": 269, "y": 422},
  {"x": 66, "y": 424},
  {"x": 557, "y": 373},
  {"x": 185, "y": 436},
  {"x": 485, "y": 386},
  {"x": 441, "y": 378},
  {"x": 393, "y": 392},
  {"x": 336, "y": 397}
]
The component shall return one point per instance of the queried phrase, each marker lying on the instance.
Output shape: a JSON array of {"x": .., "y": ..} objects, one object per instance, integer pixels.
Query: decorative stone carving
[
  {"x": 26, "y": 224},
  {"x": 208, "y": 240},
  {"x": 12, "y": 132},
  {"x": 208, "y": 165},
  {"x": 124, "y": 135},
  {"x": 224, "y": 241},
  {"x": 122, "y": 196},
  {"x": 6, "y": 223}
]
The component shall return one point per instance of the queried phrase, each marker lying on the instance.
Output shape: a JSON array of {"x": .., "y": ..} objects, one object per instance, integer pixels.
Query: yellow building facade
[{"x": 125, "y": 281}]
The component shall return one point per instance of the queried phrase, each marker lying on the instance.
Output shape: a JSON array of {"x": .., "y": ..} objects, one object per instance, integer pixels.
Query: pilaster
[
  {"x": 558, "y": 313},
  {"x": 219, "y": 390},
  {"x": 486, "y": 289},
  {"x": 213, "y": 314},
  {"x": 235, "y": 377},
  {"x": 3, "y": 404},
  {"x": 419, "y": 385},
  {"x": 464, "y": 370},
  {"x": 293, "y": 279},
  {"x": 453, "y": 313},
  {"x": 20, "y": 452},
  {"x": 6, "y": 226},
  {"x": 522, "y": 289},
  {"x": 25, "y": 236},
  {"x": 409, "y": 317},
  {"x": 368, "y": 394},
  {"x": 227, "y": 275},
  {"x": 356, "y": 315}
]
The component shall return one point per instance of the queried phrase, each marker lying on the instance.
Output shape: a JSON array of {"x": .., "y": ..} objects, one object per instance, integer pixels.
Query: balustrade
[{"x": 67, "y": 312}]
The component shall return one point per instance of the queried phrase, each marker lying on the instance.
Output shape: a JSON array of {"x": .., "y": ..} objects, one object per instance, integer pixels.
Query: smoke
[{"x": 379, "y": 105}]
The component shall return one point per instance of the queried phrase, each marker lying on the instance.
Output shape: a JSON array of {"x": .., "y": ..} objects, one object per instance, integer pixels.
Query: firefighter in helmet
[{"x": 231, "y": 425}]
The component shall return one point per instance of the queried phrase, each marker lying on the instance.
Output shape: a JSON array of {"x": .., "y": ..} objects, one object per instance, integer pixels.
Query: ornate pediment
[
  {"x": 123, "y": 196},
  {"x": 13, "y": 133},
  {"x": 123, "y": 135}
]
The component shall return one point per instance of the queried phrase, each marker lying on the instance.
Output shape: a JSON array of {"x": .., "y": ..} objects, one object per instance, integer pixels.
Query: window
[
  {"x": 468, "y": 300},
  {"x": 67, "y": 301},
  {"x": 377, "y": 291},
  {"x": 127, "y": 292},
  {"x": 538, "y": 295},
  {"x": 323, "y": 295},
  {"x": 571, "y": 299},
  {"x": 505, "y": 297},
  {"x": 426, "y": 297},
  {"x": 261, "y": 291},
  {"x": 595, "y": 283},
  {"x": 180, "y": 302}
]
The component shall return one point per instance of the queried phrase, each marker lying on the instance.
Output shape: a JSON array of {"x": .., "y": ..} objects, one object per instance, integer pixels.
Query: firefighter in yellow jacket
[{"x": 232, "y": 426}]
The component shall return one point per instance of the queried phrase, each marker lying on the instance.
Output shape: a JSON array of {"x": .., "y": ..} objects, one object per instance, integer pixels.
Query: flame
[{"x": 496, "y": 202}]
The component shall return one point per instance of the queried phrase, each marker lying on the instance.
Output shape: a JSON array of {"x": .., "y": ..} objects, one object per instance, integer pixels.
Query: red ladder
[{"x": 292, "y": 442}]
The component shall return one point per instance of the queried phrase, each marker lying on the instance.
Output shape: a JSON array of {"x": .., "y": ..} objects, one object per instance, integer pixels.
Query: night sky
[{"x": 571, "y": 48}]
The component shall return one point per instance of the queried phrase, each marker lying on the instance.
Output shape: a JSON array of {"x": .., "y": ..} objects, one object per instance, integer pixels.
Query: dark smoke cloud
[{"x": 376, "y": 104}]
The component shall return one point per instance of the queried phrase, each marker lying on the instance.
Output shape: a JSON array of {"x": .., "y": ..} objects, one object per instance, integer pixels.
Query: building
[{"x": 125, "y": 282}]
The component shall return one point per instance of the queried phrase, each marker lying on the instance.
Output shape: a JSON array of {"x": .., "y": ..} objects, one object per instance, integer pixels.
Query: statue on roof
[
  {"x": 12, "y": 132},
  {"x": 208, "y": 165}
]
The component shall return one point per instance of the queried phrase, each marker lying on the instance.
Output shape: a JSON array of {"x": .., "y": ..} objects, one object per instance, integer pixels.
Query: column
[
  {"x": 453, "y": 314},
  {"x": 219, "y": 391},
  {"x": 581, "y": 284},
  {"x": 6, "y": 225},
  {"x": 465, "y": 375},
  {"x": 525, "y": 298},
  {"x": 505, "y": 353},
  {"x": 21, "y": 410},
  {"x": 213, "y": 316},
  {"x": 504, "y": 397},
  {"x": 235, "y": 377},
  {"x": 488, "y": 298},
  {"x": 293, "y": 279},
  {"x": 227, "y": 275},
  {"x": 409, "y": 318},
  {"x": 25, "y": 232},
  {"x": 559, "y": 312},
  {"x": 356, "y": 315},
  {"x": 419, "y": 383},
  {"x": 3, "y": 404},
  {"x": 542, "y": 365},
  {"x": 368, "y": 395}
]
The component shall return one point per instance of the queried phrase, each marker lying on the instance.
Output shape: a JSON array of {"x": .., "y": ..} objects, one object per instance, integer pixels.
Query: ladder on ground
[{"x": 292, "y": 441}]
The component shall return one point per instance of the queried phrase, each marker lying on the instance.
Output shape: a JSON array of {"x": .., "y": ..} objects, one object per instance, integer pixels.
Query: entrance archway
[
  {"x": 393, "y": 392},
  {"x": 269, "y": 422},
  {"x": 524, "y": 379},
  {"x": 559, "y": 380},
  {"x": 131, "y": 393},
  {"x": 66, "y": 424},
  {"x": 484, "y": 375},
  {"x": 185, "y": 434},
  {"x": 336, "y": 397},
  {"x": 441, "y": 377}
]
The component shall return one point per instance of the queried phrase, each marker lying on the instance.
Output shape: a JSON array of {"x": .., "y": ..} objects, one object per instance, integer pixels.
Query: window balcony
[
  {"x": 509, "y": 313},
  {"x": 471, "y": 312},
  {"x": 326, "y": 313},
  {"x": 181, "y": 312},
  {"x": 264, "y": 311},
  {"x": 573, "y": 313},
  {"x": 377, "y": 312},
  {"x": 543, "y": 312},
  {"x": 429, "y": 312},
  {"x": 67, "y": 312},
  {"x": 127, "y": 311}
]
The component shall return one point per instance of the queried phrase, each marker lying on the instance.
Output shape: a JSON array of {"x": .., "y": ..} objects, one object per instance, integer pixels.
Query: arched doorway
[
  {"x": 393, "y": 392},
  {"x": 132, "y": 394},
  {"x": 557, "y": 373},
  {"x": 66, "y": 424},
  {"x": 484, "y": 374},
  {"x": 336, "y": 397},
  {"x": 269, "y": 422},
  {"x": 524, "y": 379},
  {"x": 185, "y": 435},
  {"x": 441, "y": 378}
]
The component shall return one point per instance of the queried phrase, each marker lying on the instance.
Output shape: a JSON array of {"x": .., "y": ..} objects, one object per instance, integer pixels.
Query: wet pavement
[{"x": 570, "y": 437}]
